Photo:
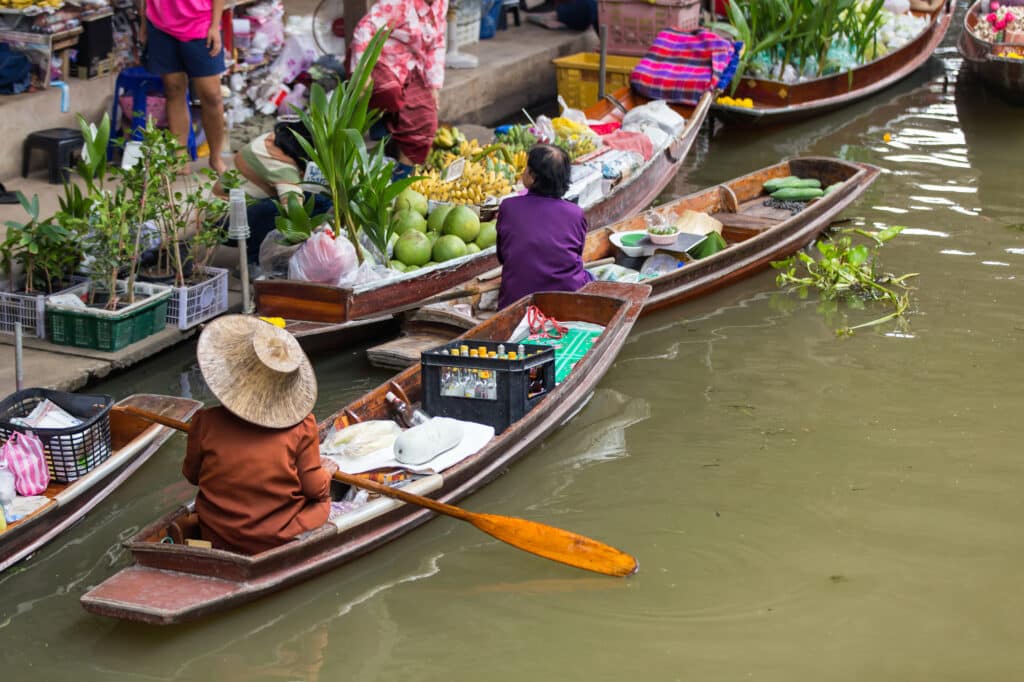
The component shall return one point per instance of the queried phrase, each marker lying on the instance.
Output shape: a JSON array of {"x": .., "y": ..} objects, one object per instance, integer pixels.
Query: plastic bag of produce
[
  {"x": 359, "y": 440},
  {"x": 658, "y": 113},
  {"x": 323, "y": 259},
  {"x": 275, "y": 254},
  {"x": 614, "y": 273}
]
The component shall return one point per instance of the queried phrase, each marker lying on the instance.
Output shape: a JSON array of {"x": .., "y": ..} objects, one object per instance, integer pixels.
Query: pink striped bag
[{"x": 27, "y": 461}]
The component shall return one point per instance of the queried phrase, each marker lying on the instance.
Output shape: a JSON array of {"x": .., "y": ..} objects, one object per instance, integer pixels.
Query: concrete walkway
[{"x": 515, "y": 72}]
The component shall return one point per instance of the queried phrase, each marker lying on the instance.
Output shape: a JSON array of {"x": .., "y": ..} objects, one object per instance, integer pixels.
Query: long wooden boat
[
  {"x": 333, "y": 306},
  {"x": 133, "y": 441},
  {"x": 776, "y": 102},
  {"x": 1004, "y": 75},
  {"x": 174, "y": 582},
  {"x": 755, "y": 235}
]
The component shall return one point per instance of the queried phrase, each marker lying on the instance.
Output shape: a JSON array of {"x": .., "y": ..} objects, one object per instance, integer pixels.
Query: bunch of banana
[
  {"x": 22, "y": 4},
  {"x": 503, "y": 167},
  {"x": 576, "y": 145},
  {"x": 517, "y": 139},
  {"x": 450, "y": 138},
  {"x": 439, "y": 158},
  {"x": 519, "y": 160},
  {"x": 565, "y": 127},
  {"x": 476, "y": 184}
]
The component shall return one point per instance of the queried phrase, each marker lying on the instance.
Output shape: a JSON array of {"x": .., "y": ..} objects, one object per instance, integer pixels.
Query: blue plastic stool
[{"x": 139, "y": 83}]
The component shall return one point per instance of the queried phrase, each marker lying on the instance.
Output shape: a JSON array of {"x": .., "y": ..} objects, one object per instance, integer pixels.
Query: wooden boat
[
  {"x": 1003, "y": 75},
  {"x": 755, "y": 235},
  {"x": 334, "y": 308},
  {"x": 776, "y": 102},
  {"x": 133, "y": 441},
  {"x": 171, "y": 583}
]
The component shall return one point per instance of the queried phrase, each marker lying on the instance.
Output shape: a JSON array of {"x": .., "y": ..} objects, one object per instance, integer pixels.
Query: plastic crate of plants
[
  {"x": 109, "y": 330},
  {"x": 488, "y": 382},
  {"x": 71, "y": 452},
  {"x": 188, "y": 306},
  {"x": 28, "y": 309}
]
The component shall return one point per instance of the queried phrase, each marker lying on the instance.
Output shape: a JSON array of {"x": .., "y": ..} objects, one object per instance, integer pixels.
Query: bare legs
[{"x": 212, "y": 106}]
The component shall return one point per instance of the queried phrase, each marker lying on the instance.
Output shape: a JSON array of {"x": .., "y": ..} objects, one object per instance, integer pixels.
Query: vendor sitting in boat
[
  {"x": 256, "y": 458},
  {"x": 540, "y": 234}
]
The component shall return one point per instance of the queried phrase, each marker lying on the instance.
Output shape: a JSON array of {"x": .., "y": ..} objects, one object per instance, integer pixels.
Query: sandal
[{"x": 7, "y": 197}]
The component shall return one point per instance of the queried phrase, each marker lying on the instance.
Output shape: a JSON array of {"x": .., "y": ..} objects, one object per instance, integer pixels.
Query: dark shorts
[{"x": 166, "y": 54}]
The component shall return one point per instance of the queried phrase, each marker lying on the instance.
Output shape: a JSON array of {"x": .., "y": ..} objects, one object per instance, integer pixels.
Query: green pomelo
[
  {"x": 462, "y": 223},
  {"x": 488, "y": 236},
  {"x": 410, "y": 268},
  {"x": 411, "y": 200},
  {"x": 432, "y": 236},
  {"x": 413, "y": 248},
  {"x": 435, "y": 221},
  {"x": 472, "y": 248},
  {"x": 448, "y": 247},
  {"x": 403, "y": 221},
  {"x": 396, "y": 265}
]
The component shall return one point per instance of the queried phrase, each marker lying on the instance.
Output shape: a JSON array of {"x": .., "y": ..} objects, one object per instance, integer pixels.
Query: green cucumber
[
  {"x": 806, "y": 183},
  {"x": 797, "y": 193},
  {"x": 779, "y": 183},
  {"x": 833, "y": 187}
]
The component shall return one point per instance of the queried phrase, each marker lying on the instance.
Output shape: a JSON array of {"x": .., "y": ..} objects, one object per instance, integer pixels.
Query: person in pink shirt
[
  {"x": 408, "y": 77},
  {"x": 182, "y": 41}
]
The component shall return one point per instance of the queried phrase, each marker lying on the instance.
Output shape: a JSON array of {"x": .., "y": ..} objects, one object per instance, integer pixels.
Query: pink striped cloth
[
  {"x": 25, "y": 458},
  {"x": 679, "y": 67}
]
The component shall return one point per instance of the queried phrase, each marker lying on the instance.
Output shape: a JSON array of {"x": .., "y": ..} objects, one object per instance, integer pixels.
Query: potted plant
[
  {"x": 189, "y": 223},
  {"x": 358, "y": 181},
  {"x": 46, "y": 253},
  {"x": 115, "y": 312}
]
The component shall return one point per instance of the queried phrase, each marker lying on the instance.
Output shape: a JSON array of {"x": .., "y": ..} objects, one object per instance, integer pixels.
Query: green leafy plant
[
  {"x": 337, "y": 123},
  {"x": 296, "y": 221},
  {"x": 375, "y": 196},
  {"x": 794, "y": 32},
  {"x": 47, "y": 251},
  {"x": 848, "y": 272}
]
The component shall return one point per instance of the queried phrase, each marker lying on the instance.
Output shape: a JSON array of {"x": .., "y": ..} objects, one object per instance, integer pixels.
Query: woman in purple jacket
[{"x": 540, "y": 235}]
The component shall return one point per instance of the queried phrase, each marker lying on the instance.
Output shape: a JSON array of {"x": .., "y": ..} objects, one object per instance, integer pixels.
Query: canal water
[{"x": 804, "y": 506}]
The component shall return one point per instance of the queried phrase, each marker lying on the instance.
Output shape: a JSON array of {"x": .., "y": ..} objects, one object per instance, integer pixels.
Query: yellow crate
[{"x": 577, "y": 76}]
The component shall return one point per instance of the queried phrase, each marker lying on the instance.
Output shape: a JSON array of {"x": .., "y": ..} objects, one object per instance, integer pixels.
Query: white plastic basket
[
  {"x": 467, "y": 23},
  {"x": 29, "y": 309},
  {"x": 191, "y": 305}
]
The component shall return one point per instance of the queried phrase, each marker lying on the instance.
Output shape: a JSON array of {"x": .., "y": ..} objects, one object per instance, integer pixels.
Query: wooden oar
[{"x": 537, "y": 538}]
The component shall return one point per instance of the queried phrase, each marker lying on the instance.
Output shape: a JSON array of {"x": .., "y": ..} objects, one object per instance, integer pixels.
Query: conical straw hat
[{"x": 257, "y": 371}]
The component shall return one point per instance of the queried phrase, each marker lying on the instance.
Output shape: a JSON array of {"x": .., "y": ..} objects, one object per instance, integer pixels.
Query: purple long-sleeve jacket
[{"x": 540, "y": 246}]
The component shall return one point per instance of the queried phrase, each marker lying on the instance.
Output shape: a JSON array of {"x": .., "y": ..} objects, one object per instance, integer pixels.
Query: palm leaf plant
[
  {"x": 375, "y": 196},
  {"x": 296, "y": 221},
  {"x": 337, "y": 123}
]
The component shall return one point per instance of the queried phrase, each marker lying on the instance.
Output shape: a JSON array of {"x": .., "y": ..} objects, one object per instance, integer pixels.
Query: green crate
[{"x": 106, "y": 332}]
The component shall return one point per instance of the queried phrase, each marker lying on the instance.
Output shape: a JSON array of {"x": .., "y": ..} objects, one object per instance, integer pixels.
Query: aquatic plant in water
[{"x": 848, "y": 272}]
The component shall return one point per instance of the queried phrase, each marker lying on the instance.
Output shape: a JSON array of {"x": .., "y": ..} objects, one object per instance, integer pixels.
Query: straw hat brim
[{"x": 244, "y": 383}]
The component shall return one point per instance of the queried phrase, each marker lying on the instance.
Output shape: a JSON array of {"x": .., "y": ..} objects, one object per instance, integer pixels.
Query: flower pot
[
  {"x": 108, "y": 330},
  {"x": 30, "y": 309},
  {"x": 190, "y": 305}
]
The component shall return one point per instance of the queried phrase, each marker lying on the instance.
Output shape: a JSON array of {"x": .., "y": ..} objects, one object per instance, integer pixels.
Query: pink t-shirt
[{"x": 181, "y": 19}]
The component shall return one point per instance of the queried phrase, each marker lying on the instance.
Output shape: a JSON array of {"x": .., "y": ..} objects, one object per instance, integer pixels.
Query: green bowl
[{"x": 633, "y": 239}]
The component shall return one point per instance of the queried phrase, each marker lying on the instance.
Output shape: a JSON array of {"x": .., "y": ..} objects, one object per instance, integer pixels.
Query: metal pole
[
  {"x": 603, "y": 62},
  {"x": 19, "y": 365},
  {"x": 243, "y": 265}
]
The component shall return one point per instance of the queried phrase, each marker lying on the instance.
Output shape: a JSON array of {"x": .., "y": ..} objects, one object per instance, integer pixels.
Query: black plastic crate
[
  {"x": 517, "y": 386},
  {"x": 72, "y": 452}
]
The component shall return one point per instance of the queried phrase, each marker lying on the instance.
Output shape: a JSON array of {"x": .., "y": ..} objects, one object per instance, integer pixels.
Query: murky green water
[{"x": 804, "y": 507}]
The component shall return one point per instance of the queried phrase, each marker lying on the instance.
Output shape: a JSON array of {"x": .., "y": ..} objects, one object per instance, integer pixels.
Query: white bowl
[
  {"x": 631, "y": 251},
  {"x": 663, "y": 239}
]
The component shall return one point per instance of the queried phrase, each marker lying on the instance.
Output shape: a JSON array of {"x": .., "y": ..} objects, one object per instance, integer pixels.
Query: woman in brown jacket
[{"x": 256, "y": 458}]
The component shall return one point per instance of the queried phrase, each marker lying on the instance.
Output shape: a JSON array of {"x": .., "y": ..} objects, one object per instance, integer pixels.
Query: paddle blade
[{"x": 557, "y": 544}]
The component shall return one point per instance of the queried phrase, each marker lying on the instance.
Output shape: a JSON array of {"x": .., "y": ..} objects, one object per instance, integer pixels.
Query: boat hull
[
  {"x": 332, "y": 305},
  {"x": 75, "y": 500},
  {"x": 778, "y": 103},
  {"x": 1002, "y": 75},
  {"x": 174, "y": 583}
]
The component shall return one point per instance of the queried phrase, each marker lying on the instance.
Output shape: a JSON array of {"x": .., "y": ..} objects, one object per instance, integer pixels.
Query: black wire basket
[{"x": 72, "y": 452}]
